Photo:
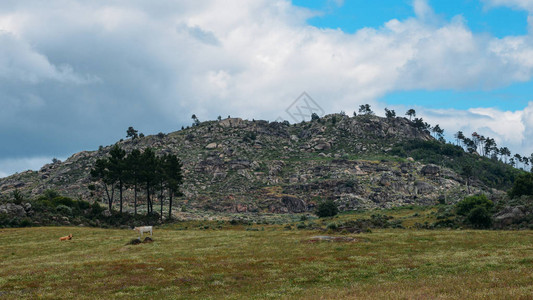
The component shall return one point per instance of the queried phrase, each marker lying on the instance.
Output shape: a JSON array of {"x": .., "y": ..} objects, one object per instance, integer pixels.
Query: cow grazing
[
  {"x": 143, "y": 229},
  {"x": 65, "y": 238}
]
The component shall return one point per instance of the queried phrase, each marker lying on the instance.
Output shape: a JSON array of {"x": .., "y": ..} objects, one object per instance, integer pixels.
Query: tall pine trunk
[
  {"x": 110, "y": 198},
  {"x": 120, "y": 188},
  {"x": 135, "y": 198},
  {"x": 161, "y": 199},
  {"x": 169, "y": 204},
  {"x": 148, "y": 198}
]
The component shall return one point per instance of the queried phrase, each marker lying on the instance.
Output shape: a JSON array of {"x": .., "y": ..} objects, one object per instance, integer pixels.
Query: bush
[
  {"x": 523, "y": 185},
  {"x": 464, "y": 206},
  {"x": 63, "y": 209},
  {"x": 480, "y": 217},
  {"x": 327, "y": 209}
]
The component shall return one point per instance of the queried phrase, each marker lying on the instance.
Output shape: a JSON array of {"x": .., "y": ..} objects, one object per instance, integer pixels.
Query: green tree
[
  {"x": 411, "y": 113},
  {"x": 479, "y": 217},
  {"x": 439, "y": 132},
  {"x": 133, "y": 169},
  {"x": 466, "y": 205},
  {"x": 314, "y": 117},
  {"x": 173, "y": 178},
  {"x": 327, "y": 209},
  {"x": 100, "y": 172},
  {"x": 117, "y": 169},
  {"x": 131, "y": 133},
  {"x": 365, "y": 109},
  {"x": 467, "y": 173},
  {"x": 523, "y": 186},
  {"x": 505, "y": 153},
  {"x": 390, "y": 114},
  {"x": 459, "y": 137},
  {"x": 196, "y": 122},
  {"x": 419, "y": 124},
  {"x": 148, "y": 175}
]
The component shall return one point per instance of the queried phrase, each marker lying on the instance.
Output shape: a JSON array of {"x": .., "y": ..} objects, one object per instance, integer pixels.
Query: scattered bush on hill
[
  {"x": 466, "y": 205},
  {"x": 489, "y": 171},
  {"x": 327, "y": 209},
  {"x": 477, "y": 210},
  {"x": 523, "y": 186}
]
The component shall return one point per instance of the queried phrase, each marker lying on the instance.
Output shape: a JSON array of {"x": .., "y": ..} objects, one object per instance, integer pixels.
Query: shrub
[
  {"x": 464, "y": 206},
  {"x": 17, "y": 197},
  {"x": 63, "y": 209},
  {"x": 327, "y": 209},
  {"x": 523, "y": 185},
  {"x": 479, "y": 217}
]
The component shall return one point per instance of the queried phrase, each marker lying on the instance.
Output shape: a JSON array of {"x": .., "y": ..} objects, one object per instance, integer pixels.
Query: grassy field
[{"x": 236, "y": 263}]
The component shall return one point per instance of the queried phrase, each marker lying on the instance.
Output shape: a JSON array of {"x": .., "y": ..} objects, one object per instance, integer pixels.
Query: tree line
[
  {"x": 159, "y": 176},
  {"x": 477, "y": 143}
]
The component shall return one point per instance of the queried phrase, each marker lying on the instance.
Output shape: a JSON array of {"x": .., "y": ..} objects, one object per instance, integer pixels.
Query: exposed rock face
[
  {"x": 15, "y": 210},
  {"x": 241, "y": 165},
  {"x": 510, "y": 215},
  {"x": 430, "y": 170}
]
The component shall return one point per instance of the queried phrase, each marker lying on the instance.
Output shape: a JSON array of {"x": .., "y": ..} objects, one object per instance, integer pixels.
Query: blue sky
[
  {"x": 76, "y": 74},
  {"x": 352, "y": 15},
  {"x": 501, "y": 21}
]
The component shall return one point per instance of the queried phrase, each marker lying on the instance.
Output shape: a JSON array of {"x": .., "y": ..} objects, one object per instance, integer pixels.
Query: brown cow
[{"x": 64, "y": 238}]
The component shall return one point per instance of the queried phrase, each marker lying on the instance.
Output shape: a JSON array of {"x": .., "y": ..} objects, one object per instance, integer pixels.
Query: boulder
[
  {"x": 509, "y": 215},
  {"x": 13, "y": 210},
  {"x": 294, "y": 204},
  {"x": 323, "y": 146},
  {"x": 430, "y": 170},
  {"x": 231, "y": 122},
  {"x": 211, "y": 146}
]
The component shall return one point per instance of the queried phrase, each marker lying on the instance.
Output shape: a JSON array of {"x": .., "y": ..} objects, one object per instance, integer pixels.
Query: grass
[{"x": 234, "y": 263}]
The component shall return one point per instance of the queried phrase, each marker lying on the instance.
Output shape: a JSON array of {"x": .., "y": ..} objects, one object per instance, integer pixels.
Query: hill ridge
[{"x": 260, "y": 166}]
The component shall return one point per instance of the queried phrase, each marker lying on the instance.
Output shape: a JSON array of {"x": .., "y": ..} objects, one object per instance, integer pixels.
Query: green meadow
[{"x": 268, "y": 262}]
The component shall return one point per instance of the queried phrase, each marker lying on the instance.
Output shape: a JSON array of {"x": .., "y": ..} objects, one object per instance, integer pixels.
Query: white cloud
[
  {"x": 517, "y": 4},
  {"x": 164, "y": 60}
]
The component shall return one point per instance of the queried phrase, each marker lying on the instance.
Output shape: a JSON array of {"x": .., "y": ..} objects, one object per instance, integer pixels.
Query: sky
[{"x": 76, "y": 74}]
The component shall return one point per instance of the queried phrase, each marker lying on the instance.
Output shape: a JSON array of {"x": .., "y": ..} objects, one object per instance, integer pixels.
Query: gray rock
[
  {"x": 509, "y": 215},
  {"x": 294, "y": 204},
  {"x": 211, "y": 146},
  {"x": 430, "y": 170},
  {"x": 323, "y": 146},
  {"x": 13, "y": 210}
]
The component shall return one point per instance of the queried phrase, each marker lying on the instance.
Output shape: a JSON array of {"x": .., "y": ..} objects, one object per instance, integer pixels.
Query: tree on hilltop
[
  {"x": 390, "y": 114},
  {"x": 196, "y": 122},
  {"x": 131, "y": 133},
  {"x": 365, "y": 109},
  {"x": 411, "y": 113}
]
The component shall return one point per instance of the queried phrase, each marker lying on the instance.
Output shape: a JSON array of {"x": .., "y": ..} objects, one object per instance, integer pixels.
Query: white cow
[{"x": 143, "y": 229}]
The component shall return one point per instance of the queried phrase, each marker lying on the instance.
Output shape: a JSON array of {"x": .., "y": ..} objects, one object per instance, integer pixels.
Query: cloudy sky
[{"x": 75, "y": 74}]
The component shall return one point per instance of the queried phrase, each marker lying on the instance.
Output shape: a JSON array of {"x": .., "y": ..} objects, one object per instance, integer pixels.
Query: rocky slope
[{"x": 256, "y": 166}]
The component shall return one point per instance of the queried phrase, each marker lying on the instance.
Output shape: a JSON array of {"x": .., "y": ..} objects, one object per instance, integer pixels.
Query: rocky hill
[{"x": 259, "y": 166}]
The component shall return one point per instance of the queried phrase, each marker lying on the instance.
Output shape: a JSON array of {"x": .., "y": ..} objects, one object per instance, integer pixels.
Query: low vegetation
[{"x": 271, "y": 263}]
